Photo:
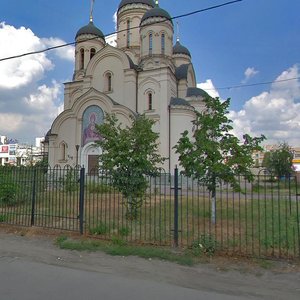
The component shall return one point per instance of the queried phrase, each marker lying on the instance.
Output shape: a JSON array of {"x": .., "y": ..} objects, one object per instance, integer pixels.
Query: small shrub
[
  {"x": 3, "y": 218},
  {"x": 8, "y": 193},
  {"x": 70, "y": 181},
  {"x": 100, "y": 229},
  {"x": 99, "y": 188},
  {"x": 117, "y": 241},
  {"x": 205, "y": 245},
  {"x": 124, "y": 231}
]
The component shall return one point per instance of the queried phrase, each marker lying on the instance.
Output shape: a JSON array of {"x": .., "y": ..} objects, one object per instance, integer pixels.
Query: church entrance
[
  {"x": 89, "y": 158},
  {"x": 93, "y": 164}
]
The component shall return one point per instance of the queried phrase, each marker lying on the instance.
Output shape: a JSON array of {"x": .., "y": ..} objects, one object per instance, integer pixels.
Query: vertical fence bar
[
  {"x": 81, "y": 200},
  {"x": 176, "y": 207},
  {"x": 33, "y": 197}
]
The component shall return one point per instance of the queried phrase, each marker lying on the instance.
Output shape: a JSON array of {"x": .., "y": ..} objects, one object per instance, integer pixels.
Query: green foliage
[
  {"x": 99, "y": 188},
  {"x": 8, "y": 187},
  {"x": 279, "y": 161},
  {"x": 205, "y": 245},
  {"x": 70, "y": 182},
  {"x": 129, "y": 155},
  {"x": 213, "y": 153},
  {"x": 124, "y": 231},
  {"x": 101, "y": 228},
  {"x": 3, "y": 218}
]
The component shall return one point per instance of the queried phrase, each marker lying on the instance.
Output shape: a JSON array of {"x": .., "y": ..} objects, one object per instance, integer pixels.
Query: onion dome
[
  {"x": 156, "y": 12},
  {"x": 178, "y": 102},
  {"x": 90, "y": 29},
  {"x": 147, "y": 2},
  {"x": 194, "y": 91},
  {"x": 179, "y": 49}
]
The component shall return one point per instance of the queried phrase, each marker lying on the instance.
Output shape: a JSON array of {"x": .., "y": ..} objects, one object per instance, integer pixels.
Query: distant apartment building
[{"x": 18, "y": 154}]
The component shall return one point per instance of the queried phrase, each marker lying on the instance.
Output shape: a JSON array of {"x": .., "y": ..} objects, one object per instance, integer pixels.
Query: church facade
[{"x": 146, "y": 73}]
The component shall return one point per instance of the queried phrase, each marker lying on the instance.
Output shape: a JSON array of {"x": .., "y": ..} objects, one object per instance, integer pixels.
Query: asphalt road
[{"x": 34, "y": 268}]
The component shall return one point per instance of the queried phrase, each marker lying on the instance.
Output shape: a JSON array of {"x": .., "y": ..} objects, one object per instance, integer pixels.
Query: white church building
[{"x": 146, "y": 73}]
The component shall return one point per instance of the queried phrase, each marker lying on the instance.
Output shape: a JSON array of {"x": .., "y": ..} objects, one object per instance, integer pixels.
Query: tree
[
  {"x": 129, "y": 155},
  {"x": 211, "y": 153},
  {"x": 279, "y": 161}
]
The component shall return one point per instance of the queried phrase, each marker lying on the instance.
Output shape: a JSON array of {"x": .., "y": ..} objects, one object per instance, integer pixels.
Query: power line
[
  {"x": 252, "y": 84},
  {"x": 135, "y": 27}
]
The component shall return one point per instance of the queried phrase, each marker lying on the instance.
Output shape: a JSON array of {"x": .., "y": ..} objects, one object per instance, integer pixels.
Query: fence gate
[{"x": 41, "y": 197}]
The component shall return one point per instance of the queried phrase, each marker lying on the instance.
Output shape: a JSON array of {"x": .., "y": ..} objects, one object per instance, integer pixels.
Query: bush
[
  {"x": 101, "y": 228},
  {"x": 8, "y": 190},
  {"x": 99, "y": 188},
  {"x": 205, "y": 245}
]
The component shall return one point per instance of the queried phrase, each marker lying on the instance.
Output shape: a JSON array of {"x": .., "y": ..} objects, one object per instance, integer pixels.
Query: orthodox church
[{"x": 146, "y": 73}]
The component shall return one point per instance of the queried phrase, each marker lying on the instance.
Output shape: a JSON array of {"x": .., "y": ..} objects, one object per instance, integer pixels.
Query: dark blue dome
[
  {"x": 179, "y": 49},
  {"x": 156, "y": 12},
  {"x": 90, "y": 29},
  {"x": 125, "y": 2}
]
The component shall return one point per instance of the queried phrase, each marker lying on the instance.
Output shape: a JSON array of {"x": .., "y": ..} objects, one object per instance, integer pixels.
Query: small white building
[{"x": 145, "y": 73}]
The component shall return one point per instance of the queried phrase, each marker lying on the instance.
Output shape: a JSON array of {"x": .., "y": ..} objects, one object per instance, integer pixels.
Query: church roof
[
  {"x": 90, "y": 29},
  {"x": 156, "y": 12},
  {"x": 181, "y": 72},
  {"x": 179, "y": 49},
  {"x": 178, "y": 101},
  {"x": 125, "y": 2},
  {"x": 193, "y": 91}
]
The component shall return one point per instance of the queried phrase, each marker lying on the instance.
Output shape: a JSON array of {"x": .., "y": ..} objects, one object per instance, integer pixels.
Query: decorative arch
[
  {"x": 63, "y": 151},
  {"x": 81, "y": 58},
  {"x": 92, "y": 52},
  {"x": 93, "y": 115},
  {"x": 108, "y": 81}
]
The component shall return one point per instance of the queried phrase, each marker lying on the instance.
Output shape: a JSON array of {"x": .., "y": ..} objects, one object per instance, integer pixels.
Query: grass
[
  {"x": 262, "y": 221},
  {"x": 119, "y": 247}
]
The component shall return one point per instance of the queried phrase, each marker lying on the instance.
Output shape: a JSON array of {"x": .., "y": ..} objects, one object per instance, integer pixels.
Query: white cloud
[
  {"x": 66, "y": 52},
  {"x": 19, "y": 72},
  {"x": 208, "y": 86},
  {"x": 249, "y": 73},
  {"x": 115, "y": 19},
  {"x": 274, "y": 113},
  {"x": 28, "y": 105}
]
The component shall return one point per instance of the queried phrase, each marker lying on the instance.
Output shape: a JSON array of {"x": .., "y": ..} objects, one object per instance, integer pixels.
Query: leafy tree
[
  {"x": 211, "y": 153},
  {"x": 279, "y": 161},
  {"x": 129, "y": 155}
]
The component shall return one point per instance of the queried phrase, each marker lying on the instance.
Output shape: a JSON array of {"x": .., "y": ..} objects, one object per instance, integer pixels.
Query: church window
[
  {"x": 63, "y": 151},
  {"x": 128, "y": 34},
  {"x": 92, "y": 53},
  {"x": 150, "y": 43},
  {"x": 108, "y": 84},
  {"x": 150, "y": 101},
  {"x": 81, "y": 59},
  {"x": 163, "y": 43}
]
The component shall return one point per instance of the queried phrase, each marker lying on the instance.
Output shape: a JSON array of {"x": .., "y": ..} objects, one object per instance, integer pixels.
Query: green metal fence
[{"x": 261, "y": 219}]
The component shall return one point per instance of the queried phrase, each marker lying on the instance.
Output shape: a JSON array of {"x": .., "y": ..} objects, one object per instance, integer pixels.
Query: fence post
[
  {"x": 33, "y": 198},
  {"x": 176, "y": 207},
  {"x": 81, "y": 200}
]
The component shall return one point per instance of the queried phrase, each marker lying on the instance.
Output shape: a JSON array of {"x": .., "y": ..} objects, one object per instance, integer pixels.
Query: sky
[{"x": 248, "y": 51}]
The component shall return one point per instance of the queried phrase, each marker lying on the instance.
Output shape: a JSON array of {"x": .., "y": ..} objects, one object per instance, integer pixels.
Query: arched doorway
[{"x": 89, "y": 157}]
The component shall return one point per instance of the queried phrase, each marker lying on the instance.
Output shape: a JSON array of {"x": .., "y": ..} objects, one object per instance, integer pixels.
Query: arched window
[
  {"x": 108, "y": 82},
  {"x": 81, "y": 66},
  {"x": 63, "y": 151},
  {"x": 163, "y": 43},
  {"x": 150, "y": 43},
  {"x": 92, "y": 52},
  {"x": 150, "y": 101},
  {"x": 128, "y": 34}
]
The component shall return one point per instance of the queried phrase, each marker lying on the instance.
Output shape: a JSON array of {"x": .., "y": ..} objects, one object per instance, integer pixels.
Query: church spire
[
  {"x": 91, "y": 11},
  {"x": 177, "y": 33}
]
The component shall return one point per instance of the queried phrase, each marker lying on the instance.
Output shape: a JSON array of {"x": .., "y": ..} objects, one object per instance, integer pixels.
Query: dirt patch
[{"x": 223, "y": 263}]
